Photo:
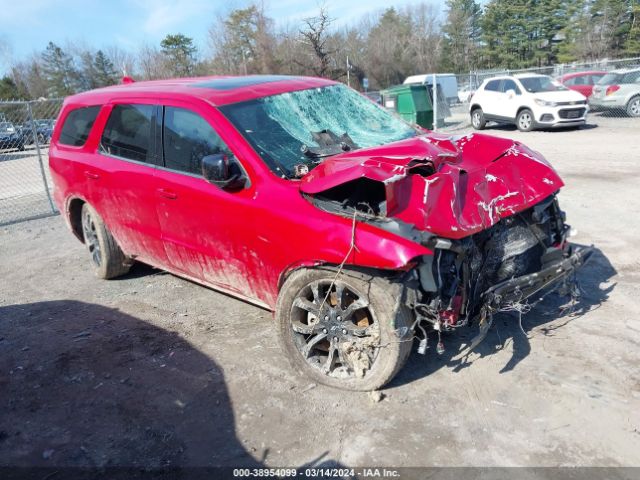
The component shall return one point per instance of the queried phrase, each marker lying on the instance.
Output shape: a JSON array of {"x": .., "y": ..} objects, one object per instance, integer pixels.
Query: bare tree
[
  {"x": 29, "y": 77},
  {"x": 244, "y": 42},
  {"x": 315, "y": 35},
  {"x": 425, "y": 39},
  {"x": 123, "y": 61},
  {"x": 151, "y": 63}
]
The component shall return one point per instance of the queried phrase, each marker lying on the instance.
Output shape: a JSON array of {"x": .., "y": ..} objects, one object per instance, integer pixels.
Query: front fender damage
[{"x": 486, "y": 207}]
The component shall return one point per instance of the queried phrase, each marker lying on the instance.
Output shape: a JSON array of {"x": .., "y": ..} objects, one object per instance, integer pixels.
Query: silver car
[{"x": 618, "y": 90}]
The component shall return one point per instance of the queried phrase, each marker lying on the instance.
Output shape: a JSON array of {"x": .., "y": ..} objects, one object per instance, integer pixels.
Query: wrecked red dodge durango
[{"x": 361, "y": 232}]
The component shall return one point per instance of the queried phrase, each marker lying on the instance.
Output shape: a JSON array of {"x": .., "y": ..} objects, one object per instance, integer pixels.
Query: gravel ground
[{"x": 152, "y": 370}]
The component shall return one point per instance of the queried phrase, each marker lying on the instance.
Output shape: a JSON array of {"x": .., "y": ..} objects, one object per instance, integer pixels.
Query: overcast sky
[{"x": 27, "y": 26}]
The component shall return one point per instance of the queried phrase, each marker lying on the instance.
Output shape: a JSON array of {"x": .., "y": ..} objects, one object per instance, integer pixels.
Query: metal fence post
[
  {"x": 434, "y": 91},
  {"x": 37, "y": 144}
]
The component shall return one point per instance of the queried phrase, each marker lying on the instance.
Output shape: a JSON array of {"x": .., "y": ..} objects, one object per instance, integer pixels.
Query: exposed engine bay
[{"x": 500, "y": 250}]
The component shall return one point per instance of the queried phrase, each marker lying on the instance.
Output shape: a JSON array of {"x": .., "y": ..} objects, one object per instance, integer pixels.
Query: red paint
[
  {"x": 479, "y": 180},
  {"x": 451, "y": 316},
  {"x": 246, "y": 242},
  {"x": 586, "y": 88}
]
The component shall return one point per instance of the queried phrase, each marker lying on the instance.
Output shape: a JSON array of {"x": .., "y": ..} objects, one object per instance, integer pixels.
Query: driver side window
[{"x": 187, "y": 138}]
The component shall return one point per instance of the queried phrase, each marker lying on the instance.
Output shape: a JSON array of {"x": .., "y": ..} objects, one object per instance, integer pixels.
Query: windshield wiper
[{"x": 328, "y": 144}]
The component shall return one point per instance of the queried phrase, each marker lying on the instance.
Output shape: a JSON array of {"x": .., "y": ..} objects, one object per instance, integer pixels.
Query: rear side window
[
  {"x": 128, "y": 133},
  {"x": 187, "y": 139},
  {"x": 631, "y": 77},
  {"x": 493, "y": 86},
  {"x": 609, "y": 79},
  {"x": 77, "y": 126}
]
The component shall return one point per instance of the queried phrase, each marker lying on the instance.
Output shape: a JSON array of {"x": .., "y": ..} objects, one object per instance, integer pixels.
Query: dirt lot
[{"x": 153, "y": 370}]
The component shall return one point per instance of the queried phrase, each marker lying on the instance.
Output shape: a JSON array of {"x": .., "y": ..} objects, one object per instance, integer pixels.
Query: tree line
[{"x": 385, "y": 46}]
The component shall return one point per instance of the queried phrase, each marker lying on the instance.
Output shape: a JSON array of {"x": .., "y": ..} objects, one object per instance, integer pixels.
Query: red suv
[{"x": 361, "y": 232}]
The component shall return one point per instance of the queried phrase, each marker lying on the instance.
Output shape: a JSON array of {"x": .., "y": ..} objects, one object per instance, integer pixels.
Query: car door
[
  {"x": 207, "y": 231},
  {"x": 581, "y": 83},
  {"x": 508, "y": 99},
  {"x": 490, "y": 98},
  {"x": 122, "y": 179}
]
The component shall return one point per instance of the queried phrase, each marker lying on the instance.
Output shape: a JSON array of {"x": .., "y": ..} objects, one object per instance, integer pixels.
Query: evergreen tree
[
  {"x": 506, "y": 34},
  {"x": 9, "y": 90},
  {"x": 105, "y": 72},
  {"x": 245, "y": 42},
  {"x": 180, "y": 54},
  {"x": 632, "y": 41},
  {"x": 550, "y": 21},
  {"x": 389, "y": 44},
  {"x": 525, "y": 33},
  {"x": 461, "y": 35},
  {"x": 59, "y": 71}
]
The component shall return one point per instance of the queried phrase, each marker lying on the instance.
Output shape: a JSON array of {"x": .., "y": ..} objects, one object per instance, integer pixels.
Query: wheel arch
[
  {"x": 74, "y": 216},
  {"x": 524, "y": 107},
  {"x": 631, "y": 97},
  {"x": 346, "y": 269}
]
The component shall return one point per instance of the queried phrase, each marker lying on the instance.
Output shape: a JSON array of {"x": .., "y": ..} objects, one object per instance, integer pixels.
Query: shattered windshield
[{"x": 302, "y": 128}]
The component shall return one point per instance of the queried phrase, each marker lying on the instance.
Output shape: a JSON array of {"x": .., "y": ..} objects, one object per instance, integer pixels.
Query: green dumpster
[{"x": 412, "y": 103}]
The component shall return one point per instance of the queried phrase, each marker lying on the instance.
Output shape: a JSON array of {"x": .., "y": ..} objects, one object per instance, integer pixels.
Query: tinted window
[
  {"x": 77, "y": 126},
  {"x": 596, "y": 78},
  {"x": 582, "y": 80},
  {"x": 609, "y": 79},
  {"x": 128, "y": 132},
  {"x": 187, "y": 138},
  {"x": 510, "y": 85},
  {"x": 541, "y": 83},
  {"x": 493, "y": 86},
  {"x": 631, "y": 77}
]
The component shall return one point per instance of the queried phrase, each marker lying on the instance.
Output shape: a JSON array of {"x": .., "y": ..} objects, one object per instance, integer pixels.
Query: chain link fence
[
  {"x": 25, "y": 183},
  {"x": 612, "y": 88}
]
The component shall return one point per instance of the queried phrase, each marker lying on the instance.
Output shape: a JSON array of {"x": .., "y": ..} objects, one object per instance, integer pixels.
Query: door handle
[
  {"x": 91, "y": 175},
  {"x": 167, "y": 194}
]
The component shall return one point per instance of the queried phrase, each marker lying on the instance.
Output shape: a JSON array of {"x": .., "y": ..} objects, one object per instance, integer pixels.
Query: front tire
[
  {"x": 352, "y": 334},
  {"x": 106, "y": 256},
  {"x": 524, "y": 120},
  {"x": 477, "y": 119},
  {"x": 633, "y": 107}
]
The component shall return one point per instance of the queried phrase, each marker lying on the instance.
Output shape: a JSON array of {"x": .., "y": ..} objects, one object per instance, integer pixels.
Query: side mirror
[
  {"x": 511, "y": 93},
  {"x": 216, "y": 169}
]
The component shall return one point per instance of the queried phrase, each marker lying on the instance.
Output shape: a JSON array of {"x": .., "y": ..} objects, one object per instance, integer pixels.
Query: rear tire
[
  {"x": 524, "y": 120},
  {"x": 106, "y": 256},
  {"x": 633, "y": 107},
  {"x": 356, "y": 341},
  {"x": 477, "y": 119}
]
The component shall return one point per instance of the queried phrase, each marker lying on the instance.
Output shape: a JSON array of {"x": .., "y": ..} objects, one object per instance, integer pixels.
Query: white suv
[{"x": 529, "y": 101}]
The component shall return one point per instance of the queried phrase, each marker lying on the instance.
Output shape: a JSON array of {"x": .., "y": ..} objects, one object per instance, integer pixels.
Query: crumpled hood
[{"x": 449, "y": 186}]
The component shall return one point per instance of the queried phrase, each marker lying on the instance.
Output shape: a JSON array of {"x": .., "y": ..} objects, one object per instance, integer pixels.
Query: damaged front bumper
[{"x": 518, "y": 289}]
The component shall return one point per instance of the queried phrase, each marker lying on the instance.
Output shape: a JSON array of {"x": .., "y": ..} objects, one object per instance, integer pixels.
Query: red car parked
[
  {"x": 302, "y": 196},
  {"x": 582, "y": 82}
]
